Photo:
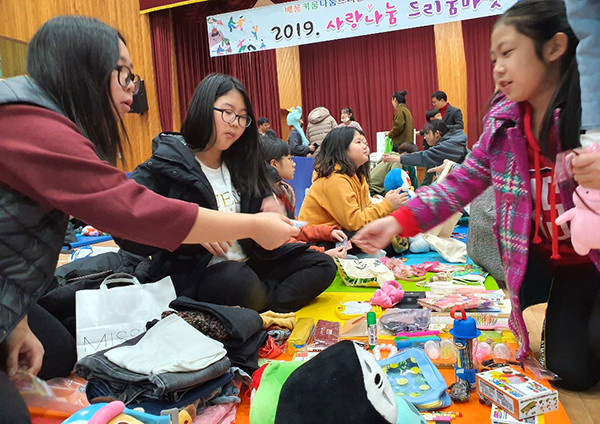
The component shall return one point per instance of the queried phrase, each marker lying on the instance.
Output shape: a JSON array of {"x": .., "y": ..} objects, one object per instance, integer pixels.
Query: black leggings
[
  {"x": 283, "y": 285},
  {"x": 571, "y": 337}
]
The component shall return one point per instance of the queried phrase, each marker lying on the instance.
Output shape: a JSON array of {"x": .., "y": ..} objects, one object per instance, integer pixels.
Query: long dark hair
[
  {"x": 72, "y": 58},
  {"x": 333, "y": 155},
  {"x": 244, "y": 158},
  {"x": 436, "y": 125},
  {"x": 540, "y": 20}
]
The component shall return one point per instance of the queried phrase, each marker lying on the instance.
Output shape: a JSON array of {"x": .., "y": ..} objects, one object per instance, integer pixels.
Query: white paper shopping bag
[{"x": 108, "y": 316}]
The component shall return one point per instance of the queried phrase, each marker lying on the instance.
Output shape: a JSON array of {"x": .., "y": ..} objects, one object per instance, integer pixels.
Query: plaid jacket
[{"x": 498, "y": 159}]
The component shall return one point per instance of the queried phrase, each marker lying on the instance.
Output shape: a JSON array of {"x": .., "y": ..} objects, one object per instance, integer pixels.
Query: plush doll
[
  {"x": 293, "y": 120},
  {"x": 398, "y": 178},
  {"x": 585, "y": 220},
  {"x": 343, "y": 383},
  {"x": 116, "y": 413}
]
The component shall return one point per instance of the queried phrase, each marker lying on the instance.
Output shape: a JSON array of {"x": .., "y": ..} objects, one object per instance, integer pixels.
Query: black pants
[
  {"x": 283, "y": 285},
  {"x": 59, "y": 345},
  {"x": 571, "y": 337}
]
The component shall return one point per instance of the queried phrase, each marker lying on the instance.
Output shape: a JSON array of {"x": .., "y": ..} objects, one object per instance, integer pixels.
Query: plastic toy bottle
[
  {"x": 465, "y": 333},
  {"x": 372, "y": 329}
]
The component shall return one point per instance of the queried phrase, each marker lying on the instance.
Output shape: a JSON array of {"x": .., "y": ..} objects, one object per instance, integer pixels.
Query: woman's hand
[
  {"x": 338, "y": 235},
  {"x": 586, "y": 169},
  {"x": 377, "y": 234},
  {"x": 389, "y": 158},
  {"x": 396, "y": 197},
  {"x": 218, "y": 248},
  {"x": 338, "y": 252},
  {"x": 271, "y": 204},
  {"x": 271, "y": 230},
  {"x": 24, "y": 350}
]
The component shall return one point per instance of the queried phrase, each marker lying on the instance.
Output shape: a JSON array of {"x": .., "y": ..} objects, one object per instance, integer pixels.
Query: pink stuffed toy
[
  {"x": 585, "y": 220},
  {"x": 388, "y": 295}
]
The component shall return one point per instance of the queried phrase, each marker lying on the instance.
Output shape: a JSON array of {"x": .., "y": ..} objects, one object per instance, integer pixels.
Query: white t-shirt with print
[{"x": 228, "y": 199}]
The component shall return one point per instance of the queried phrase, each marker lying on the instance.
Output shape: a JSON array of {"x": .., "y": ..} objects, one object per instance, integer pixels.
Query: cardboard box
[
  {"x": 516, "y": 393},
  {"x": 500, "y": 416}
]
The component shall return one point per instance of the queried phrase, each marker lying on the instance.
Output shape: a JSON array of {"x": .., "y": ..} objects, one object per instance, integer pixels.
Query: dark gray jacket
[
  {"x": 452, "y": 146},
  {"x": 453, "y": 118},
  {"x": 30, "y": 237}
]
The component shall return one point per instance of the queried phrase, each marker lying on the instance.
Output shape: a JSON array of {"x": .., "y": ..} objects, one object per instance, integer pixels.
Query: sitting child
[{"x": 282, "y": 165}]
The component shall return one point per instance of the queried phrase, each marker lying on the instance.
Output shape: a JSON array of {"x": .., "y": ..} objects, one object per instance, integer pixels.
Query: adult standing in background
[
  {"x": 320, "y": 122},
  {"x": 452, "y": 116},
  {"x": 403, "y": 128},
  {"x": 347, "y": 119}
]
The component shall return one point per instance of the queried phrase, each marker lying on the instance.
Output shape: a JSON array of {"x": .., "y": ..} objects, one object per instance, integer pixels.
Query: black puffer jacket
[
  {"x": 30, "y": 237},
  {"x": 174, "y": 172}
]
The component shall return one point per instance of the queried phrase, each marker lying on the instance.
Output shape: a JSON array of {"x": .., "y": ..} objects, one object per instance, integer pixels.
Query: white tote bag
[{"x": 108, "y": 316}]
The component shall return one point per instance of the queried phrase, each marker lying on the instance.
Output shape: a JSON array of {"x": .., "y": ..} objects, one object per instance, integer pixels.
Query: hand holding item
[
  {"x": 338, "y": 235},
  {"x": 273, "y": 229},
  {"x": 396, "y": 197},
  {"x": 586, "y": 169},
  {"x": 24, "y": 350},
  {"x": 377, "y": 234}
]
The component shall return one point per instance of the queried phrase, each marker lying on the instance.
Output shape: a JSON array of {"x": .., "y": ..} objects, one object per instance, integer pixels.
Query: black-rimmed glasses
[
  {"x": 125, "y": 76},
  {"x": 230, "y": 116}
]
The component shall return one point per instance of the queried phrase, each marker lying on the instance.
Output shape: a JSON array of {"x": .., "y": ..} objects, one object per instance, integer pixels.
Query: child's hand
[
  {"x": 338, "y": 235},
  {"x": 338, "y": 252},
  {"x": 218, "y": 248},
  {"x": 24, "y": 350},
  {"x": 586, "y": 169},
  {"x": 396, "y": 197},
  {"x": 377, "y": 234}
]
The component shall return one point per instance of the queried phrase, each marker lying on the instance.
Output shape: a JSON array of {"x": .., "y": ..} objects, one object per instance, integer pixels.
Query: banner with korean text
[{"x": 314, "y": 21}]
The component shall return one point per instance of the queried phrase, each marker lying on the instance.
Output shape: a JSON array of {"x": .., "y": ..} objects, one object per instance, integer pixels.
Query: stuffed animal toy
[
  {"x": 116, "y": 413},
  {"x": 343, "y": 383},
  {"x": 585, "y": 220},
  {"x": 398, "y": 178},
  {"x": 293, "y": 120}
]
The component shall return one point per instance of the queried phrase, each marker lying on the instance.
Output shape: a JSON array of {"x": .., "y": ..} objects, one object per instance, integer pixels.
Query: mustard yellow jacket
[{"x": 342, "y": 201}]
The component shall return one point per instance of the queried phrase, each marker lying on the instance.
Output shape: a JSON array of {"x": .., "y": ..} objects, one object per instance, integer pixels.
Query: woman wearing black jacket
[{"x": 223, "y": 169}]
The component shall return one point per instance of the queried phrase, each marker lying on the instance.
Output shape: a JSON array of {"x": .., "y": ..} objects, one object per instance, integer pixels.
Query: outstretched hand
[
  {"x": 273, "y": 229},
  {"x": 377, "y": 234}
]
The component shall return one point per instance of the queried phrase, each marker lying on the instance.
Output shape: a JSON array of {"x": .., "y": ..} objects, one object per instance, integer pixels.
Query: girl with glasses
[
  {"x": 59, "y": 139},
  {"x": 216, "y": 162}
]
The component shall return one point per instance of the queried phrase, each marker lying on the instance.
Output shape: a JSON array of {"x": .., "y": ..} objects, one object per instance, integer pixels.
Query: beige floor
[{"x": 582, "y": 408}]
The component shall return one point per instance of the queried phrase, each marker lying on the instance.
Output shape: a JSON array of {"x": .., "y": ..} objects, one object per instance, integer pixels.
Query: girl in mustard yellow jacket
[{"x": 339, "y": 194}]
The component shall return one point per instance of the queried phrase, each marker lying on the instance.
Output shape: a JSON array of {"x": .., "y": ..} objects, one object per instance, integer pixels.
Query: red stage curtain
[
  {"x": 362, "y": 73},
  {"x": 257, "y": 71},
  {"x": 160, "y": 36},
  {"x": 480, "y": 83}
]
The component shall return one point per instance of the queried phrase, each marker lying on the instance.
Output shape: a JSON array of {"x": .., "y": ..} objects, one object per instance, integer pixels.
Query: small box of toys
[{"x": 516, "y": 393}]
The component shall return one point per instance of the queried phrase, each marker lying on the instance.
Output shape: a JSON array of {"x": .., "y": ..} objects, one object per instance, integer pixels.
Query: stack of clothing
[{"x": 184, "y": 359}]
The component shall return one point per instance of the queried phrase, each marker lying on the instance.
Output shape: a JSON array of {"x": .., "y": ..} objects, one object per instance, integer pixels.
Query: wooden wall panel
[
  {"x": 13, "y": 57},
  {"x": 451, "y": 64},
  {"x": 288, "y": 78},
  {"x": 20, "y": 20}
]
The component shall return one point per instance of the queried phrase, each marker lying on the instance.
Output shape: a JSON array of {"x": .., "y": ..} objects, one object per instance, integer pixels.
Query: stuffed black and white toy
[{"x": 343, "y": 383}]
